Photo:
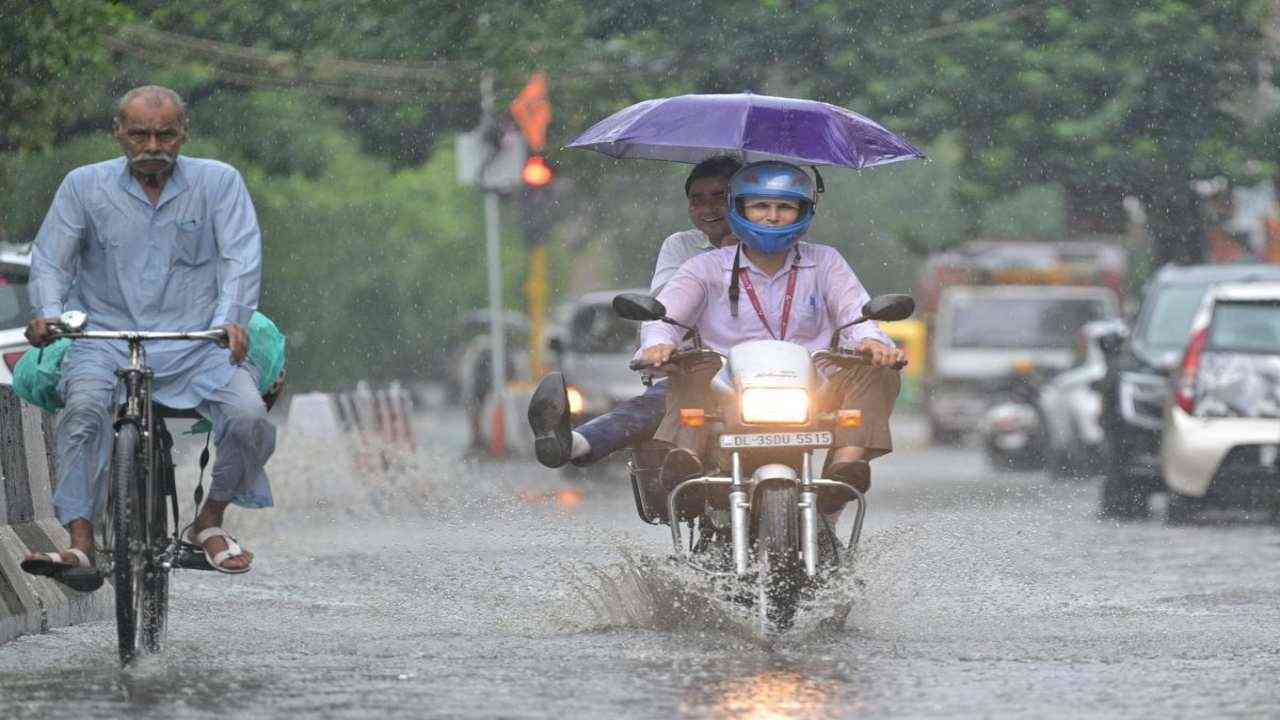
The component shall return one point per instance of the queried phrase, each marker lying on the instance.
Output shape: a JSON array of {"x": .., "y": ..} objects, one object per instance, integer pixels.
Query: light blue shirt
[{"x": 192, "y": 261}]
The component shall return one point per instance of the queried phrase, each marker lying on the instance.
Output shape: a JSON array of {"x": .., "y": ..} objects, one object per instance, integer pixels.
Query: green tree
[
  {"x": 1104, "y": 97},
  {"x": 53, "y": 66}
]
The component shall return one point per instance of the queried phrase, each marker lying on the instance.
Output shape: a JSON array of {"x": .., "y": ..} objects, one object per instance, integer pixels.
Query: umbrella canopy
[{"x": 691, "y": 128}]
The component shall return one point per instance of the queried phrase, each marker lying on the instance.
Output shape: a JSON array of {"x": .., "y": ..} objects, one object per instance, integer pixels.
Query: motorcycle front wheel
[{"x": 780, "y": 573}]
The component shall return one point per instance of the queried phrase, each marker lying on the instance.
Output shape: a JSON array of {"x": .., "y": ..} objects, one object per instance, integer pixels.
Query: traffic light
[{"x": 536, "y": 173}]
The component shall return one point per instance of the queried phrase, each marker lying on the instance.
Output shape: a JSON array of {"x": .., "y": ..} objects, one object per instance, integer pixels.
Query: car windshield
[
  {"x": 1169, "y": 320},
  {"x": 1251, "y": 327},
  {"x": 1021, "y": 322},
  {"x": 15, "y": 310},
  {"x": 597, "y": 329}
]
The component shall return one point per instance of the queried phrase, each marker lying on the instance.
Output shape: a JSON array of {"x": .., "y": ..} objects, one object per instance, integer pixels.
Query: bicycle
[{"x": 135, "y": 545}]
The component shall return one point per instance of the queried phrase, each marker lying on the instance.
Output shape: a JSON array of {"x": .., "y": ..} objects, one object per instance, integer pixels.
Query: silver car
[
  {"x": 1071, "y": 405},
  {"x": 593, "y": 347},
  {"x": 15, "y": 308},
  {"x": 1222, "y": 420}
]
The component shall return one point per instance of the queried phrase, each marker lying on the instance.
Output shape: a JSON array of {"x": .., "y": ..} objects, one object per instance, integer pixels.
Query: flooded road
[{"x": 500, "y": 590}]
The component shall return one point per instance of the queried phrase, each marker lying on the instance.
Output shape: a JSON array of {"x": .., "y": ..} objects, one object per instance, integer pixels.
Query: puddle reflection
[{"x": 771, "y": 695}]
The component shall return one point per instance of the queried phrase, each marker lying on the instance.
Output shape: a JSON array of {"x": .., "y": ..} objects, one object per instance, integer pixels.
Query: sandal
[
  {"x": 70, "y": 567},
  {"x": 215, "y": 561}
]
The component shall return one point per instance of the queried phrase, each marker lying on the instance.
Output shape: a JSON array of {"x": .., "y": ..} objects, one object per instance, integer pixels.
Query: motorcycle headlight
[{"x": 775, "y": 405}]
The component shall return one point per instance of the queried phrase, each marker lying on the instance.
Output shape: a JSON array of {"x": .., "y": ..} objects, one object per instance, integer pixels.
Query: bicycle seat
[{"x": 165, "y": 411}]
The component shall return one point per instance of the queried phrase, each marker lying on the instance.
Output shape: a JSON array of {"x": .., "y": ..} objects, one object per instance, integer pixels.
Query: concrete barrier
[
  {"x": 31, "y": 604},
  {"x": 379, "y": 425},
  {"x": 506, "y": 428}
]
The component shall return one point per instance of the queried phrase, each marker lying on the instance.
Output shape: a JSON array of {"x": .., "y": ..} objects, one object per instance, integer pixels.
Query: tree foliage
[
  {"x": 1040, "y": 117},
  {"x": 52, "y": 61}
]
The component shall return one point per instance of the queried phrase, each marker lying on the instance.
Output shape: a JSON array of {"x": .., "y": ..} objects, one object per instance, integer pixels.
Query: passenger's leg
[
  {"x": 631, "y": 421},
  {"x": 554, "y": 441}
]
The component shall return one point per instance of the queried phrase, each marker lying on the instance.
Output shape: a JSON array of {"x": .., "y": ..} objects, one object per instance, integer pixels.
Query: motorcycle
[
  {"x": 1014, "y": 432},
  {"x": 741, "y": 471}
]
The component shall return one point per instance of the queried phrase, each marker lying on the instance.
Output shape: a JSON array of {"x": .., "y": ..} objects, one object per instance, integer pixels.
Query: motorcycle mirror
[
  {"x": 73, "y": 320},
  {"x": 636, "y": 306},
  {"x": 889, "y": 307}
]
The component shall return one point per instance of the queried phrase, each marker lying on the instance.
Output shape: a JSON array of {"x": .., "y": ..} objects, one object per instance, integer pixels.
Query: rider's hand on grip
[
  {"x": 42, "y": 331},
  {"x": 237, "y": 340},
  {"x": 655, "y": 356},
  {"x": 880, "y": 355}
]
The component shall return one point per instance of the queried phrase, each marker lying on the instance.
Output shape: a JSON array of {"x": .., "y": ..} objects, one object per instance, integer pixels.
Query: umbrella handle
[{"x": 817, "y": 180}]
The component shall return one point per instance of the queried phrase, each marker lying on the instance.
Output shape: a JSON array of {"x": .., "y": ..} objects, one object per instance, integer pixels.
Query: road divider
[
  {"x": 30, "y": 604},
  {"x": 377, "y": 425}
]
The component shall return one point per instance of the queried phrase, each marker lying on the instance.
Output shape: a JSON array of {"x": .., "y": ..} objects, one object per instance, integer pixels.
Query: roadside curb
[{"x": 31, "y": 604}]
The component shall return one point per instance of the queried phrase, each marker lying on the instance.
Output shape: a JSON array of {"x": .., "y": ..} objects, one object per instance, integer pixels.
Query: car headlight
[
  {"x": 775, "y": 405},
  {"x": 577, "y": 403}
]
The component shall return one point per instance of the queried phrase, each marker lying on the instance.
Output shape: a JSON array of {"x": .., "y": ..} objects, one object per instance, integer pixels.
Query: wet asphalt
[{"x": 482, "y": 589}]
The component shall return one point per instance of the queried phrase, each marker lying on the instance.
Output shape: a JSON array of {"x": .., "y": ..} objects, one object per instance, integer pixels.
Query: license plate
[{"x": 767, "y": 440}]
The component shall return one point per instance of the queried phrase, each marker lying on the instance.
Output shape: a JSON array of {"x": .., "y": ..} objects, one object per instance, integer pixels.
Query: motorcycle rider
[
  {"x": 795, "y": 290},
  {"x": 638, "y": 418}
]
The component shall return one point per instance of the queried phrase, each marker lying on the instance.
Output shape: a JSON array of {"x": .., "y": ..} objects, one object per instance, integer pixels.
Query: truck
[{"x": 995, "y": 310}]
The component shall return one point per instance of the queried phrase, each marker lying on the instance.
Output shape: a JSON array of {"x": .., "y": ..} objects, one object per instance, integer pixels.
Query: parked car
[
  {"x": 983, "y": 333},
  {"x": 1071, "y": 405},
  {"x": 1222, "y": 421},
  {"x": 15, "y": 308},
  {"x": 1137, "y": 382}
]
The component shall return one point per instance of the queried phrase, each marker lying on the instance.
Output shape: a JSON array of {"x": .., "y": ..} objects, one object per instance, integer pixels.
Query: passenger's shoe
[{"x": 549, "y": 418}]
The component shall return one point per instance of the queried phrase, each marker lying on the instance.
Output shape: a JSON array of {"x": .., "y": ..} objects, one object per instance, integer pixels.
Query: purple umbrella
[{"x": 691, "y": 128}]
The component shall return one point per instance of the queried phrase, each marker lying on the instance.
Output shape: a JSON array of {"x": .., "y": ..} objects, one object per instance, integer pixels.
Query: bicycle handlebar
[{"x": 217, "y": 335}]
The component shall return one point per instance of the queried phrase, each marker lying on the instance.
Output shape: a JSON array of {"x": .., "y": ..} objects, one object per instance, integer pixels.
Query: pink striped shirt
[{"x": 827, "y": 295}]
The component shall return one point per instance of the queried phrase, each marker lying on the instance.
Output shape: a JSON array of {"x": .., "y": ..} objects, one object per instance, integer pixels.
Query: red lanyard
[{"x": 786, "y": 305}]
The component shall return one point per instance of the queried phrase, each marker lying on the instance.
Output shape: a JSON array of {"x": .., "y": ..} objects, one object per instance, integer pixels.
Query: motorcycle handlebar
[
  {"x": 679, "y": 360},
  {"x": 846, "y": 358}
]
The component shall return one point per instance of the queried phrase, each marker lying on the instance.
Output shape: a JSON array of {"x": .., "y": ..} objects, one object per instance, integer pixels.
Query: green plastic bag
[{"x": 36, "y": 376}]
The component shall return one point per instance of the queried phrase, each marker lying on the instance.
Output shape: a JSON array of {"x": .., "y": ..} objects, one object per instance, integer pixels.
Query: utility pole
[{"x": 497, "y": 334}]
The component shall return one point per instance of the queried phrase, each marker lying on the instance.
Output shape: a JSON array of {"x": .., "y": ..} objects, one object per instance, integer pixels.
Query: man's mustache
[{"x": 152, "y": 157}]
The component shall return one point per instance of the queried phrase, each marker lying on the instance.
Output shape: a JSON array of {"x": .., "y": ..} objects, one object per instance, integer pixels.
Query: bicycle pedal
[{"x": 191, "y": 557}]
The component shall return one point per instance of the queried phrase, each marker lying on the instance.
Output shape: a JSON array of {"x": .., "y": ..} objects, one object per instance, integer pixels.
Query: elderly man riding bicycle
[{"x": 152, "y": 241}]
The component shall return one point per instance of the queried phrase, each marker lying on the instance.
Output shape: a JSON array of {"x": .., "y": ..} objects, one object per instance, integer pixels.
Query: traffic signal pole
[
  {"x": 536, "y": 295},
  {"x": 497, "y": 334}
]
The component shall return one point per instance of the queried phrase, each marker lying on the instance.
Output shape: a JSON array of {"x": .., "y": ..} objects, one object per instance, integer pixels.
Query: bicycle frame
[
  {"x": 141, "y": 560},
  {"x": 139, "y": 409}
]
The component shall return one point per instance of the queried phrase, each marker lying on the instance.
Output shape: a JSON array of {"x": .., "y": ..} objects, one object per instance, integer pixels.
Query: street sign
[
  {"x": 532, "y": 111},
  {"x": 490, "y": 167}
]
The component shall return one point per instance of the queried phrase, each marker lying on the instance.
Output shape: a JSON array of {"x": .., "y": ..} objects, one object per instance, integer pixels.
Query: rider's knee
[
  {"x": 248, "y": 422},
  {"x": 85, "y": 413}
]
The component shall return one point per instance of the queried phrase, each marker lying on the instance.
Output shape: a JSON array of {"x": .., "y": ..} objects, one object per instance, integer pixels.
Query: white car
[
  {"x": 1222, "y": 421},
  {"x": 1071, "y": 405},
  {"x": 592, "y": 346},
  {"x": 15, "y": 308}
]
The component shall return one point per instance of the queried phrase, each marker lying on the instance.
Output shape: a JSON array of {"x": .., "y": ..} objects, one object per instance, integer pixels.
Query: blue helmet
[{"x": 771, "y": 179}]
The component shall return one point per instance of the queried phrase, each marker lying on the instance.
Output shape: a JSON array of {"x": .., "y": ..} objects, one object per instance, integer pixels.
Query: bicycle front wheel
[{"x": 138, "y": 524}]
